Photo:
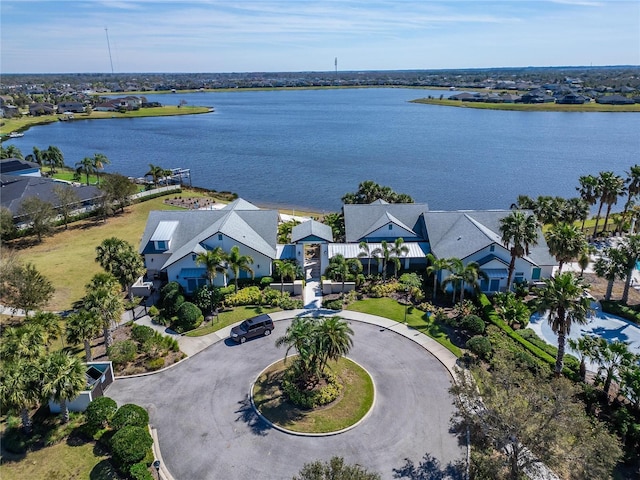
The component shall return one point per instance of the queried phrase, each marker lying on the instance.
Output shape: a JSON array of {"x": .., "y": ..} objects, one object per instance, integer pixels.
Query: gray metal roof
[
  {"x": 352, "y": 250},
  {"x": 360, "y": 219},
  {"x": 164, "y": 231},
  {"x": 311, "y": 228}
]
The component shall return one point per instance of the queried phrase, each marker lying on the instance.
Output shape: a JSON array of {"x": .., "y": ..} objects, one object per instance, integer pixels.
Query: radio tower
[{"x": 109, "y": 48}]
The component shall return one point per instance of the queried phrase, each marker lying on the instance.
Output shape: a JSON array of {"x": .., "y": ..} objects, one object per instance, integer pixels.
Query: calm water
[{"x": 307, "y": 148}]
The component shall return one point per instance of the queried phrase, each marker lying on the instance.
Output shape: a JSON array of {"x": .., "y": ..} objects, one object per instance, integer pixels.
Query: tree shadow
[
  {"x": 247, "y": 414},
  {"x": 104, "y": 470},
  {"x": 429, "y": 468}
]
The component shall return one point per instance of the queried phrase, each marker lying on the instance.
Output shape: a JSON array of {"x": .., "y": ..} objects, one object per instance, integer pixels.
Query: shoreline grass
[{"x": 530, "y": 107}]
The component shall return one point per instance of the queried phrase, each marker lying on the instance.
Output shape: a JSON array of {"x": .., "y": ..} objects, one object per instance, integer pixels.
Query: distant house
[
  {"x": 17, "y": 166},
  {"x": 75, "y": 107},
  {"x": 572, "y": 99},
  {"x": 115, "y": 104},
  {"x": 614, "y": 100},
  {"x": 536, "y": 97},
  {"x": 42, "y": 108},
  {"x": 14, "y": 189}
]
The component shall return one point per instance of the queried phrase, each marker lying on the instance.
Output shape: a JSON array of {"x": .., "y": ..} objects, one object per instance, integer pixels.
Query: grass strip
[
  {"x": 416, "y": 318},
  {"x": 229, "y": 317},
  {"x": 531, "y": 107}
]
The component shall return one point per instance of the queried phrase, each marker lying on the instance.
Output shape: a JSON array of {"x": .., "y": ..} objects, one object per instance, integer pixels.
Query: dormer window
[
  {"x": 162, "y": 235},
  {"x": 390, "y": 227},
  {"x": 161, "y": 245},
  {"x": 220, "y": 237},
  {"x": 492, "y": 248}
]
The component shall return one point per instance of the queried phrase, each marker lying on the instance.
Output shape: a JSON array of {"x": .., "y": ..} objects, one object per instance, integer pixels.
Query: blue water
[{"x": 306, "y": 148}]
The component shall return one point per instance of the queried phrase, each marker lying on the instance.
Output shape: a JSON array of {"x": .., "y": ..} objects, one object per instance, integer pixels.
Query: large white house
[{"x": 173, "y": 239}]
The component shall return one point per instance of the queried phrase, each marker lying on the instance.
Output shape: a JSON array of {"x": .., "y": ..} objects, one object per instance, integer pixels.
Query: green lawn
[
  {"x": 229, "y": 318},
  {"x": 392, "y": 309}
]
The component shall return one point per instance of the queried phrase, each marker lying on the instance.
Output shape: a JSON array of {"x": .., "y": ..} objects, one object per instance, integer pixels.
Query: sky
[{"x": 83, "y": 36}]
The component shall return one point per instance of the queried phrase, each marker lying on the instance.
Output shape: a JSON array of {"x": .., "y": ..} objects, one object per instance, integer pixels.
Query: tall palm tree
[
  {"x": 630, "y": 249},
  {"x": 338, "y": 268},
  {"x": 99, "y": 160},
  {"x": 398, "y": 250},
  {"x": 82, "y": 327},
  {"x": 589, "y": 191},
  {"x": 285, "y": 270},
  {"x": 11, "y": 152},
  {"x": 566, "y": 242},
  {"x": 633, "y": 188},
  {"x": 585, "y": 347},
  {"x": 237, "y": 263},
  {"x": 155, "y": 172},
  {"x": 23, "y": 342},
  {"x": 104, "y": 300},
  {"x": 563, "y": 297},
  {"x": 37, "y": 156},
  {"x": 300, "y": 336},
  {"x": 129, "y": 268},
  {"x": 575, "y": 209},
  {"x": 384, "y": 253},
  {"x": 212, "y": 260},
  {"x": 50, "y": 323},
  {"x": 53, "y": 157},
  {"x": 108, "y": 252},
  {"x": 64, "y": 379},
  {"x": 471, "y": 275},
  {"x": 365, "y": 252},
  {"x": 519, "y": 231},
  {"x": 611, "y": 266},
  {"x": 434, "y": 267},
  {"x": 85, "y": 167},
  {"x": 613, "y": 186},
  {"x": 613, "y": 357},
  {"x": 19, "y": 389},
  {"x": 334, "y": 337},
  {"x": 455, "y": 267}
]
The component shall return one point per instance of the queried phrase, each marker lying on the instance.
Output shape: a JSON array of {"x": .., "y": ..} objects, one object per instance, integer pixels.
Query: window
[
  {"x": 220, "y": 237},
  {"x": 494, "y": 285},
  {"x": 191, "y": 284},
  {"x": 161, "y": 245},
  {"x": 390, "y": 227},
  {"x": 535, "y": 273},
  {"x": 492, "y": 248},
  {"x": 484, "y": 285},
  {"x": 193, "y": 257}
]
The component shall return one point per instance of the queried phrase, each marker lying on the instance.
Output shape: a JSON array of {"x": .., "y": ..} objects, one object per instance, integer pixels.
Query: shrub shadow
[
  {"x": 429, "y": 468},
  {"x": 247, "y": 414},
  {"x": 104, "y": 470}
]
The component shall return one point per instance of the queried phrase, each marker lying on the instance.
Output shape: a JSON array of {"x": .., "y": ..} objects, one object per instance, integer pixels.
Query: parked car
[{"x": 254, "y": 327}]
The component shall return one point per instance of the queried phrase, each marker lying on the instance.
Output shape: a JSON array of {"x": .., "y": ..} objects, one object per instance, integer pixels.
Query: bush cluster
[
  {"x": 123, "y": 352},
  {"x": 130, "y": 415},
  {"x": 311, "y": 398},
  {"x": 100, "y": 412},
  {"x": 246, "y": 296},
  {"x": 130, "y": 446},
  {"x": 188, "y": 317}
]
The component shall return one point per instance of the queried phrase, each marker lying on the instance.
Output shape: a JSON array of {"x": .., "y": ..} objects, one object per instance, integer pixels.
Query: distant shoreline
[{"x": 532, "y": 107}]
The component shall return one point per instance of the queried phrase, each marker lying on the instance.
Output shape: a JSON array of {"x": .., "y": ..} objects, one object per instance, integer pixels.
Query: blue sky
[{"x": 303, "y": 35}]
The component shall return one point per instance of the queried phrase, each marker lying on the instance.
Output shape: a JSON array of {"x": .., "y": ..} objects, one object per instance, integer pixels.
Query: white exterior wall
[{"x": 154, "y": 261}]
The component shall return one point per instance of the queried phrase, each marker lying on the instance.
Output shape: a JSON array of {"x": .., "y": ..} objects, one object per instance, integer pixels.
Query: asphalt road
[{"x": 208, "y": 430}]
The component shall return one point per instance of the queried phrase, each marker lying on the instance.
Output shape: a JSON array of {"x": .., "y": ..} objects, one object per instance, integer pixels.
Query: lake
[{"x": 307, "y": 148}]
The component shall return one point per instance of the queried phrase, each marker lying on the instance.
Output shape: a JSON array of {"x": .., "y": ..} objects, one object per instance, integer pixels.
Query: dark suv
[{"x": 254, "y": 327}]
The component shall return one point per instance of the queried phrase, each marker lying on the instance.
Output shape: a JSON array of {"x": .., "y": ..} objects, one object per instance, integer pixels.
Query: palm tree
[
  {"x": 631, "y": 251},
  {"x": 575, "y": 209},
  {"x": 334, "y": 337},
  {"x": 50, "y": 323},
  {"x": 365, "y": 253},
  {"x": 37, "y": 156},
  {"x": 82, "y": 327},
  {"x": 611, "y": 266},
  {"x": 398, "y": 249},
  {"x": 107, "y": 253},
  {"x": 566, "y": 242},
  {"x": 53, "y": 157},
  {"x": 384, "y": 253},
  {"x": 612, "y": 358},
  {"x": 338, "y": 268},
  {"x": 613, "y": 186},
  {"x": 470, "y": 276},
  {"x": 85, "y": 166},
  {"x": 103, "y": 299},
  {"x": 11, "y": 152},
  {"x": 212, "y": 261},
  {"x": 584, "y": 258},
  {"x": 585, "y": 347},
  {"x": 64, "y": 379},
  {"x": 19, "y": 389},
  {"x": 519, "y": 232},
  {"x": 99, "y": 160},
  {"x": 130, "y": 267},
  {"x": 300, "y": 336},
  {"x": 24, "y": 342},
  {"x": 284, "y": 270},
  {"x": 589, "y": 191},
  {"x": 454, "y": 279},
  {"x": 155, "y": 172},
  {"x": 563, "y": 297},
  {"x": 238, "y": 262},
  {"x": 436, "y": 265},
  {"x": 633, "y": 188}
]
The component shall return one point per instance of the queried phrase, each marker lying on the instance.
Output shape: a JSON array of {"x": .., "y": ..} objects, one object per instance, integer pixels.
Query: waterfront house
[
  {"x": 41, "y": 108},
  {"x": 75, "y": 107}
]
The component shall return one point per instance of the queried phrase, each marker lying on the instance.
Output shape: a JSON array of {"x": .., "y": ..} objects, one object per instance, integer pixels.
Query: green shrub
[
  {"x": 172, "y": 302},
  {"x": 142, "y": 334},
  {"x": 288, "y": 303},
  {"x": 155, "y": 363},
  {"x": 129, "y": 446},
  {"x": 266, "y": 281},
  {"x": 170, "y": 287},
  {"x": 123, "y": 352},
  {"x": 333, "y": 304},
  {"x": 480, "y": 346},
  {"x": 473, "y": 324},
  {"x": 246, "y": 296},
  {"x": 128, "y": 415},
  {"x": 380, "y": 290},
  {"x": 189, "y": 316},
  {"x": 310, "y": 398},
  {"x": 621, "y": 310},
  {"x": 140, "y": 471},
  {"x": 271, "y": 296},
  {"x": 153, "y": 311},
  {"x": 100, "y": 412},
  {"x": 14, "y": 441}
]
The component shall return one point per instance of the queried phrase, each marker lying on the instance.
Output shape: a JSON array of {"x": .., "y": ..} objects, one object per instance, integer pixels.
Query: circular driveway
[{"x": 207, "y": 428}]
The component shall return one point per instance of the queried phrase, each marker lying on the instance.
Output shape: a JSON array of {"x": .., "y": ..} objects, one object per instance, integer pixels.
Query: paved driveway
[{"x": 207, "y": 429}]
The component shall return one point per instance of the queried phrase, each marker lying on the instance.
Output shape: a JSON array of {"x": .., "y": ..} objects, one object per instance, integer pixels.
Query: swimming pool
[{"x": 600, "y": 324}]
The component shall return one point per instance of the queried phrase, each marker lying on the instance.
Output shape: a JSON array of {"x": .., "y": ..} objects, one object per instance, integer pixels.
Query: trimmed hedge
[
  {"x": 100, "y": 412},
  {"x": 130, "y": 445},
  {"x": 130, "y": 415},
  {"x": 616, "y": 308}
]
